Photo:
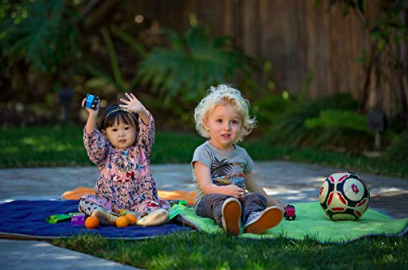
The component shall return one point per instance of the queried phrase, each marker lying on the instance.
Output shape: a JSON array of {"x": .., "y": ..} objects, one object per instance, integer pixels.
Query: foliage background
[
  {"x": 312, "y": 70},
  {"x": 169, "y": 54}
]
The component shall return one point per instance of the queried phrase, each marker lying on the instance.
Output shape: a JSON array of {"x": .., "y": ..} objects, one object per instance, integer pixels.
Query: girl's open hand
[{"x": 132, "y": 104}]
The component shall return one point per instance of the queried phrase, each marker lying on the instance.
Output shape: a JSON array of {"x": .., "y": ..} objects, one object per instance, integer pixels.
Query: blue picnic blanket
[{"x": 24, "y": 219}]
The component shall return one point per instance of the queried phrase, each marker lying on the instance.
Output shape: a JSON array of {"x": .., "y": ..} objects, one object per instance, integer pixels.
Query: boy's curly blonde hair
[{"x": 220, "y": 95}]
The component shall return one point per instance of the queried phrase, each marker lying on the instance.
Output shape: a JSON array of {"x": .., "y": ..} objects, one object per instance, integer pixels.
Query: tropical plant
[
  {"x": 192, "y": 62},
  {"x": 102, "y": 77},
  {"x": 301, "y": 125},
  {"x": 269, "y": 109},
  {"x": 342, "y": 128},
  {"x": 339, "y": 118},
  {"x": 40, "y": 33},
  {"x": 398, "y": 149}
]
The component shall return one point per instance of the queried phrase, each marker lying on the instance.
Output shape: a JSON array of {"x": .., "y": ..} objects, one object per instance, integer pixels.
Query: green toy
[
  {"x": 176, "y": 209},
  {"x": 54, "y": 219}
]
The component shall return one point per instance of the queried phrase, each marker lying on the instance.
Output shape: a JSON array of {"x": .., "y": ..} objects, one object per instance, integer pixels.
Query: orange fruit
[
  {"x": 131, "y": 218},
  {"x": 122, "y": 222},
  {"x": 91, "y": 222}
]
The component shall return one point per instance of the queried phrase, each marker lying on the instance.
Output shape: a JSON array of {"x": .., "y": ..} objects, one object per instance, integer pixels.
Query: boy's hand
[{"x": 234, "y": 191}]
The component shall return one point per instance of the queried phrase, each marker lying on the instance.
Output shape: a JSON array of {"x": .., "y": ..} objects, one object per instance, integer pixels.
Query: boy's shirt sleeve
[
  {"x": 203, "y": 155},
  {"x": 146, "y": 135},
  {"x": 97, "y": 147},
  {"x": 249, "y": 164}
]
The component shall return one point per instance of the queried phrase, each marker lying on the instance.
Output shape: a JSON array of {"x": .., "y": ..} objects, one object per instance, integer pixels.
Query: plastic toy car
[
  {"x": 91, "y": 102},
  {"x": 290, "y": 212}
]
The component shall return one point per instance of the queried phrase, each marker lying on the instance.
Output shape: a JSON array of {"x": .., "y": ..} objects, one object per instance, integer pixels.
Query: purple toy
[{"x": 78, "y": 219}]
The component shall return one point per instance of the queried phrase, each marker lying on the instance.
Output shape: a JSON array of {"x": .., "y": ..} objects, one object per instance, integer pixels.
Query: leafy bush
[
  {"x": 38, "y": 32},
  {"x": 341, "y": 128},
  {"x": 398, "y": 150},
  {"x": 193, "y": 62},
  {"x": 268, "y": 110},
  {"x": 339, "y": 118},
  {"x": 338, "y": 126}
]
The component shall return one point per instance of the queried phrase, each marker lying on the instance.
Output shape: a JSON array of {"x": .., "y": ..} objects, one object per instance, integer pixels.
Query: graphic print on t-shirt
[{"x": 226, "y": 173}]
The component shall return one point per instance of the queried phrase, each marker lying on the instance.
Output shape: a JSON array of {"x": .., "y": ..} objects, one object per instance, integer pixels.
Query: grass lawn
[
  {"x": 220, "y": 251},
  {"x": 62, "y": 146}
]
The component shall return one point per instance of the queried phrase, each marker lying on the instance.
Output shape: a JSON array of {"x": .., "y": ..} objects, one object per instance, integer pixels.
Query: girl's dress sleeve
[
  {"x": 146, "y": 135},
  {"x": 97, "y": 147}
]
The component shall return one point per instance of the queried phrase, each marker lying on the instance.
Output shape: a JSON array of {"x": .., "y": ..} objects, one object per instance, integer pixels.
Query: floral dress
[{"x": 125, "y": 180}]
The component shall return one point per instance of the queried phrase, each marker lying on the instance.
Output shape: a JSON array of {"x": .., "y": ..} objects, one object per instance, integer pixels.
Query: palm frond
[
  {"x": 191, "y": 64},
  {"x": 40, "y": 34}
]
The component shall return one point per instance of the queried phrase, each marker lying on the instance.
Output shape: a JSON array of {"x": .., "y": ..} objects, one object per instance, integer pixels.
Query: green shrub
[
  {"x": 340, "y": 128},
  {"x": 290, "y": 128},
  {"x": 398, "y": 151},
  {"x": 193, "y": 62},
  {"x": 339, "y": 118},
  {"x": 268, "y": 110},
  {"x": 323, "y": 123}
]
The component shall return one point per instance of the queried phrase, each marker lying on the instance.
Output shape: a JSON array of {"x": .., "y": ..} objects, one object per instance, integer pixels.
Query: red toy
[{"x": 290, "y": 212}]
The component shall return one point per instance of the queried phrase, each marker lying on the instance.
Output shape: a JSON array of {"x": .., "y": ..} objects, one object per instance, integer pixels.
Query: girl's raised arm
[
  {"x": 95, "y": 144},
  {"x": 91, "y": 122},
  {"x": 146, "y": 122}
]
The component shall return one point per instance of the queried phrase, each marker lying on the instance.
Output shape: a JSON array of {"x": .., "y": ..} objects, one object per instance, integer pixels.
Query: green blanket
[{"x": 311, "y": 222}]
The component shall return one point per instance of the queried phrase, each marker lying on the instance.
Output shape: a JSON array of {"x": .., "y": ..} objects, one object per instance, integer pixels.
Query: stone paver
[
  {"x": 287, "y": 181},
  {"x": 28, "y": 255}
]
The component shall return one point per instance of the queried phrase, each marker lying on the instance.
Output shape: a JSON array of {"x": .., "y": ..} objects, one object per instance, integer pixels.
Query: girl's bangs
[{"x": 120, "y": 117}]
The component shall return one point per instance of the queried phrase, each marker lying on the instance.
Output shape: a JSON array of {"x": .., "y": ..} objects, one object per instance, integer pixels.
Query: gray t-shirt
[{"x": 227, "y": 167}]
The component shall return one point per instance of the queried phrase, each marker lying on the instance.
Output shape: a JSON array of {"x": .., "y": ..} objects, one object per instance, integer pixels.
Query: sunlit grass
[
  {"x": 220, "y": 251},
  {"x": 63, "y": 146},
  {"x": 41, "y": 146}
]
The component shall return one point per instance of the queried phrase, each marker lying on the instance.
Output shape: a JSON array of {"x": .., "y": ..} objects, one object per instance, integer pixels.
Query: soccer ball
[{"x": 344, "y": 196}]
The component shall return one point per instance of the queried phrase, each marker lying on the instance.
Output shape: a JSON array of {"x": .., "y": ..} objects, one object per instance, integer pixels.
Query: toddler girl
[
  {"x": 121, "y": 149},
  {"x": 222, "y": 170}
]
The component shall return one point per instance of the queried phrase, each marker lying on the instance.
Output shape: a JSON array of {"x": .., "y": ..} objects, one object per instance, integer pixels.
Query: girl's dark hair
[{"x": 113, "y": 114}]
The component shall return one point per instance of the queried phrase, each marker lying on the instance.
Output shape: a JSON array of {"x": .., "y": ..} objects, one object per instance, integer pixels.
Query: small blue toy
[{"x": 91, "y": 102}]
